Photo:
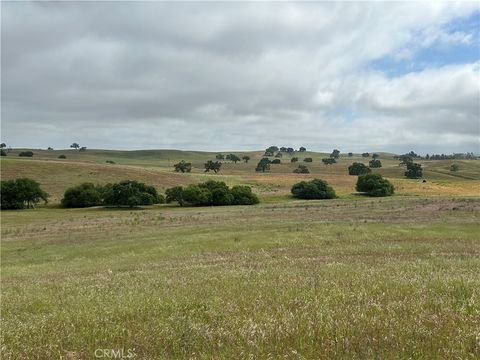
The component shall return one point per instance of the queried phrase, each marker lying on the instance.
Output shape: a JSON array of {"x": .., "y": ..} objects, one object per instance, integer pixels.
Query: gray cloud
[{"x": 229, "y": 76}]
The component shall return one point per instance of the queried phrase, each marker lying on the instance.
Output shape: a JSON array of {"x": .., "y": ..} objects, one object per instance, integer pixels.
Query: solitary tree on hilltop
[{"x": 75, "y": 146}]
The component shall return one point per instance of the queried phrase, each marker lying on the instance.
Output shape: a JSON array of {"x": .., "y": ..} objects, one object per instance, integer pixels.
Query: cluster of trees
[
  {"x": 124, "y": 193},
  {"x": 455, "y": 156},
  {"x": 410, "y": 156},
  {"x": 211, "y": 193},
  {"x": 232, "y": 157},
  {"x": 25, "y": 193},
  {"x": 277, "y": 151},
  {"x": 21, "y": 193},
  {"x": 332, "y": 159},
  {"x": 314, "y": 189}
]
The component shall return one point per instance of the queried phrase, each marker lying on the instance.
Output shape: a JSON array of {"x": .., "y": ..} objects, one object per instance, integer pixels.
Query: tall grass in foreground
[{"x": 389, "y": 278}]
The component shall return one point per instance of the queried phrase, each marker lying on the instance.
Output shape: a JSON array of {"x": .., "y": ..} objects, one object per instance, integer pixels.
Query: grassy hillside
[
  {"x": 352, "y": 277},
  {"x": 156, "y": 167},
  {"x": 386, "y": 278}
]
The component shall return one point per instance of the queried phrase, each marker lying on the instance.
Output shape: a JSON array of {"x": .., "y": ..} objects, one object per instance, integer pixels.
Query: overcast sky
[{"x": 241, "y": 76}]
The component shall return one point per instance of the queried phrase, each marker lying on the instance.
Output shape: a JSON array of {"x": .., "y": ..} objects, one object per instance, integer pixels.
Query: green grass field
[{"x": 353, "y": 277}]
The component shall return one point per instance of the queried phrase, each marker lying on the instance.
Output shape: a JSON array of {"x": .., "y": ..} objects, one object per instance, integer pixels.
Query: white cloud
[{"x": 230, "y": 75}]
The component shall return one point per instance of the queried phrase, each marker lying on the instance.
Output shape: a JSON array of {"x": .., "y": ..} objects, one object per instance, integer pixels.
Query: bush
[
  {"x": 294, "y": 159},
  {"x": 21, "y": 193},
  {"x": 276, "y": 161},
  {"x": 358, "y": 169},
  {"x": 183, "y": 167},
  {"x": 374, "y": 185},
  {"x": 414, "y": 171},
  {"x": 375, "y": 163},
  {"x": 83, "y": 195},
  {"x": 314, "y": 189},
  {"x": 308, "y": 159},
  {"x": 243, "y": 195},
  {"x": 26, "y": 154},
  {"x": 302, "y": 169},
  {"x": 211, "y": 193},
  {"x": 62, "y": 157},
  {"x": 365, "y": 154},
  {"x": 329, "y": 161},
  {"x": 3, "y": 152},
  {"x": 110, "y": 162},
  {"x": 131, "y": 193},
  {"x": 454, "y": 167}
]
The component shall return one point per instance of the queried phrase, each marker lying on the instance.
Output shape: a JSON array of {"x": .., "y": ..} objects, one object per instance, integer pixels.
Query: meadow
[{"x": 353, "y": 277}]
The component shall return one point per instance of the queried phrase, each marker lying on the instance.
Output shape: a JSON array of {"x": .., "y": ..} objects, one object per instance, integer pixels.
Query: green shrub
[
  {"x": 26, "y": 154},
  {"x": 131, "y": 193},
  {"x": 276, "y": 161},
  {"x": 454, "y": 167},
  {"x": 308, "y": 159},
  {"x": 414, "y": 171},
  {"x": 243, "y": 195},
  {"x": 294, "y": 159},
  {"x": 358, "y": 169},
  {"x": 329, "y": 161},
  {"x": 211, "y": 193},
  {"x": 62, "y": 157},
  {"x": 83, "y": 195},
  {"x": 375, "y": 163},
  {"x": 3, "y": 152},
  {"x": 21, "y": 193},
  {"x": 110, "y": 162},
  {"x": 302, "y": 169},
  {"x": 374, "y": 185},
  {"x": 314, "y": 189}
]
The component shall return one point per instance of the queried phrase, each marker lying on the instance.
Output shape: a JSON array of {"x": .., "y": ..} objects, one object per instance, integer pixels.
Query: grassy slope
[
  {"x": 385, "y": 278},
  {"x": 156, "y": 167},
  {"x": 353, "y": 277}
]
